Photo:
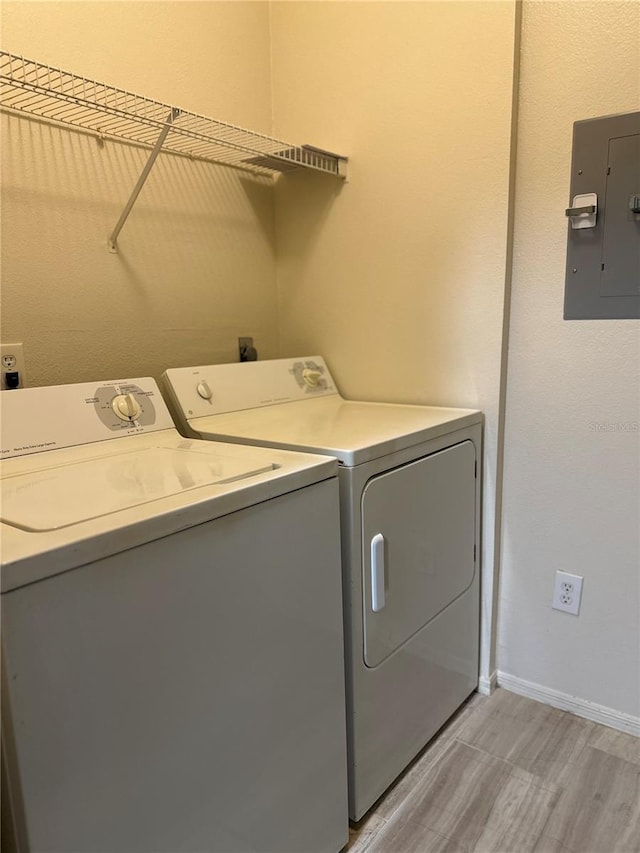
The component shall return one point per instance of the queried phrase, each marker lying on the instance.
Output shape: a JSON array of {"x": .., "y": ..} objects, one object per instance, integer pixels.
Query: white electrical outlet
[
  {"x": 12, "y": 369},
  {"x": 567, "y": 593}
]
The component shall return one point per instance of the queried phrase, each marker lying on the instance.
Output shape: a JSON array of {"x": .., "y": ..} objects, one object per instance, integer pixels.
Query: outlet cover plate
[
  {"x": 567, "y": 593},
  {"x": 246, "y": 350},
  {"x": 11, "y": 361}
]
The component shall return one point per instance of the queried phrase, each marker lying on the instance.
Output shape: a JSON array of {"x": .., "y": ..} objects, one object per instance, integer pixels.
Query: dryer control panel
[
  {"x": 38, "y": 419},
  {"x": 216, "y": 389}
]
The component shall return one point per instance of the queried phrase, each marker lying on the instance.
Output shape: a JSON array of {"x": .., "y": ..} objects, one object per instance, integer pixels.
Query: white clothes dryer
[
  {"x": 172, "y": 636},
  {"x": 410, "y": 506}
]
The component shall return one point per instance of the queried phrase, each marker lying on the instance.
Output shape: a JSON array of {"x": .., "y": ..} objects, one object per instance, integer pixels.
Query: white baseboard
[
  {"x": 486, "y": 686},
  {"x": 581, "y": 707}
]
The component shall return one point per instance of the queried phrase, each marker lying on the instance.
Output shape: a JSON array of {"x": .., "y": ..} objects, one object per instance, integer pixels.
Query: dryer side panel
[{"x": 418, "y": 540}]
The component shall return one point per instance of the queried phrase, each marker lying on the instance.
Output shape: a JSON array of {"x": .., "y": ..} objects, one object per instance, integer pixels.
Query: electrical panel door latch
[{"x": 584, "y": 212}]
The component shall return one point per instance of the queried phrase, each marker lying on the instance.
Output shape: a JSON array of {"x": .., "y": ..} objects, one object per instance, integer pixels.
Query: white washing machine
[
  {"x": 410, "y": 504},
  {"x": 172, "y": 638}
]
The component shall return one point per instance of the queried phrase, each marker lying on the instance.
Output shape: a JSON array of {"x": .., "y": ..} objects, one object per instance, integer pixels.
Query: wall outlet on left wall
[{"x": 13, "y": 371}]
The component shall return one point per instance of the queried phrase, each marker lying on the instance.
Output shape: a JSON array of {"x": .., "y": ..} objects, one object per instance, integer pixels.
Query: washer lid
[
  {"x": 354, "y": 432},
  {"x": 62, "y": 495}
]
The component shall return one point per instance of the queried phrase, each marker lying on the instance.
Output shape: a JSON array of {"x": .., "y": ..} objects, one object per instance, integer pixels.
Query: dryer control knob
[
  {"x": 203, "y": 390},
  {"x": 126, "y": 407},
  {"x": 311, "y": 377}
]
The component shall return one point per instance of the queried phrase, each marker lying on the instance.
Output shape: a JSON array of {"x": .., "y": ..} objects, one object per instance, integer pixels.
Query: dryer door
[{"x": 418, "y": 541}]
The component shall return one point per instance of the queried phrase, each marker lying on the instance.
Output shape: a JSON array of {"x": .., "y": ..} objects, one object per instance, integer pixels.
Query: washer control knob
[
  {"x": 203, "y": 390},
  {"x": 126, "y": 407},
  {"x": 311, "y": 377}
]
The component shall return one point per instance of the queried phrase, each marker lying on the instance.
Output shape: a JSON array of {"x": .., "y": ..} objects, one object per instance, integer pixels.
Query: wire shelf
[{"x": 61, "y": 97}]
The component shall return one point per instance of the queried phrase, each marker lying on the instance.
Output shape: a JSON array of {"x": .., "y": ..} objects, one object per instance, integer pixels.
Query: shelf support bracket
[{"x": 113, "y": 238}]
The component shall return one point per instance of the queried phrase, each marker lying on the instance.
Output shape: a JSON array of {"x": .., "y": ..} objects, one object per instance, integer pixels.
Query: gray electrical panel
[{"x": 603, "y": 243}]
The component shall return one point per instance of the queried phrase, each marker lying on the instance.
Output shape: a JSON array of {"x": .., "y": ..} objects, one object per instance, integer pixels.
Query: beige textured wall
[
  {"x": 398, "y": 276},
  {"x": 571, "y": 490},
  {"x": 197, "y": 256}
]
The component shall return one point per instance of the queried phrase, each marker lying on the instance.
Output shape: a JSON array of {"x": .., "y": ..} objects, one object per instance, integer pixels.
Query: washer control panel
[
  {"x": 124, "y": 405},
  {"x": 219, "y": 388},
  {"x": 55, "y": 416}
]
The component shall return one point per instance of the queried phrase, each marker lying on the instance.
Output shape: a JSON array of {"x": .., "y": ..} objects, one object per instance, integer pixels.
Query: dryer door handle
[{"x": 377, "y": 573}]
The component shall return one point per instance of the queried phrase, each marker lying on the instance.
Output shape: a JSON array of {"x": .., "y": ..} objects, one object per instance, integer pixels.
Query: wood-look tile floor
[{"x": 510, "y": 775}]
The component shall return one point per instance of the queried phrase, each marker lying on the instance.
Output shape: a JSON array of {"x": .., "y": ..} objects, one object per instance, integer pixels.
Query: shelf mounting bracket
[{"x": 113, "y": 237}]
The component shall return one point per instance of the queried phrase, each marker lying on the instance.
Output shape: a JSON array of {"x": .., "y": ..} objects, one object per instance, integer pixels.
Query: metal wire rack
[{"x": 61, "y": 97}]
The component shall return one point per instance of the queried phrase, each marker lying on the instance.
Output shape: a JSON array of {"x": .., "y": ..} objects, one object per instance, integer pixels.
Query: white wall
[
  {"x": 571, "y": 489},
  {"x": 398, "y": 276},
  {"x": 196, "y": 266}
]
